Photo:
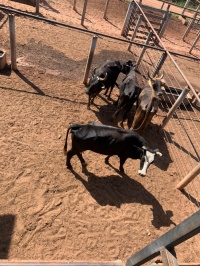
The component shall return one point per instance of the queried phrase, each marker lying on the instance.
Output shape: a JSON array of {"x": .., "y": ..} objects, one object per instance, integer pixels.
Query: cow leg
[
  {"x": 122, "y": 161},
  {"x": 127, "y": 110},
  {"x": 111, "y": 89},
  {"x": 70, "y": 154},
  {"x": 107, "y": 159},
  {"x": 89, "y": 99},
  {"x": 81, "y": 159}
]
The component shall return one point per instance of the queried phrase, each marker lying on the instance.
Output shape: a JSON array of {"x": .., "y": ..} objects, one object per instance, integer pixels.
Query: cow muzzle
[{"x": 146, "y": 160}]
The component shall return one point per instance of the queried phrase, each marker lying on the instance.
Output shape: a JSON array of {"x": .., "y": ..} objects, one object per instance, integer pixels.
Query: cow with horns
[
  {"x": 105, "y": 77},
  {"x": 129, "y": 93},
  {"x": 148, "y": 103},
  {"x": 109, "y": 141}
]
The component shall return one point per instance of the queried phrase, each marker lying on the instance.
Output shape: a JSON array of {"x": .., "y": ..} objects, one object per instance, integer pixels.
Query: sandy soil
[{"x": 48, "y": 212}]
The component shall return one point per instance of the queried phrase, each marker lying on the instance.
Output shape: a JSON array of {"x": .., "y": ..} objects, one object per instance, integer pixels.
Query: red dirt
[{"x": 55, "y": 214}]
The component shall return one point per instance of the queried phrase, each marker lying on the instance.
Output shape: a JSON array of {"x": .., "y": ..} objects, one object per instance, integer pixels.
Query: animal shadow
[
  {"x": 7, "y": 223},
  {"x": 115, "y": 190}
]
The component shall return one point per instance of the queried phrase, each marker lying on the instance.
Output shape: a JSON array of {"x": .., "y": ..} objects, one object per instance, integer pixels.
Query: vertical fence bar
[
  {"x": 174, "y": 107},
  {"x": 165, "y": 22},
  {"x": 89, "y": 60},
  {"x": 12, "y": 41},
  {"x": 127, "y": 18},
  {"x": 106, "y": 8},
  {"x": 191, "y": 23},
  {"x": 194, "y": 43},
  {"x": 189, "y": 177},
  {"x": 144, "y": 48},
  {"x": 135, "y": 31},
  {"x": 159, "y": 64},
  {"x": 83, "y": 13},
  {"x": 185, "y": 6}
]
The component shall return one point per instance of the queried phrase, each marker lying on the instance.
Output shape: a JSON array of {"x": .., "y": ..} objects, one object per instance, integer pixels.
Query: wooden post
[
  {"x": 168, "y": 258},
  {"x": 135, "y": 31},
  {"x": 83, "y": 13},
  {"x": 89, "y": 60},
  {"x": 12, "y": 41},
  {"x": 196, "y": 40},
  {"x": 174, "y": 107},
  {"x": 74, "y": 5},
  {"x": 106, "y": 8},
  {"x": 189, "y": 177},
  {"x": 37, "y": 6}
]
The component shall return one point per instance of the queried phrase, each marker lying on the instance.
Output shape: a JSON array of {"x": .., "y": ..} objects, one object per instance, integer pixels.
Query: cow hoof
[
  {"x": 84, "y": 164},
  {"x": 69, "y": 167}
]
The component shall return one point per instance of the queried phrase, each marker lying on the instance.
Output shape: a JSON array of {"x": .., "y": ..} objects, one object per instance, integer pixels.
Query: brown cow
[{"x": 148, "y": 102}]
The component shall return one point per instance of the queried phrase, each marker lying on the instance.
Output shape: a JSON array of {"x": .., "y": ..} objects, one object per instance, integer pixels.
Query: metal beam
[{"x": 177, "y": 235}]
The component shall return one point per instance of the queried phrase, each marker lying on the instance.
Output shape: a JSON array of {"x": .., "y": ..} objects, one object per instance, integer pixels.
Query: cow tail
[
  {"x": 144, "y": 120},
  {"x": 74, "y": 126},
  {"x": 65, "y": 146}
]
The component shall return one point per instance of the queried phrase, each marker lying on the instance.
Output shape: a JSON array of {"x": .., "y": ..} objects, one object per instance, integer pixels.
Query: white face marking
[{"x": 149, "y": 158}]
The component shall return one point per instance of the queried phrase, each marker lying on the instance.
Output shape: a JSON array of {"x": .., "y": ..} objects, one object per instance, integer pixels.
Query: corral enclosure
[{"x": 101, "y": 216}]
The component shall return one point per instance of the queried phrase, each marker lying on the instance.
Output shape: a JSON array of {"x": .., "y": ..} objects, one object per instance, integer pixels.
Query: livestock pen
[{"x": 66, "y": 216}]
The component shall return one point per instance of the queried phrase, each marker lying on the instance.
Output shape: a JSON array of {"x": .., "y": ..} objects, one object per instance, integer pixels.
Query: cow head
[
  {"x": 158, "y": 84},
  {"x": 95, "y": 87},
  {"x": 147, "y": 158},
  {"x": 126, "y": 67}
]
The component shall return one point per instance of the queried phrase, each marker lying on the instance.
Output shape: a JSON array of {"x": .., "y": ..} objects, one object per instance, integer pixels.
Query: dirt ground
[{"x": 48, "y": 212}]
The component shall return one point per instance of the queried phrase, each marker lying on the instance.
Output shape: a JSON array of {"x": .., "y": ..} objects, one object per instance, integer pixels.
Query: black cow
[
  {"x": 105, "y": 77},
  {"x": 129, "y": 92},
  {"x": 109, "y": 141}
]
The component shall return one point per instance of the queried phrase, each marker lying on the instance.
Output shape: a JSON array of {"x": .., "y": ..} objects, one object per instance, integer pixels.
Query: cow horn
[
  {"x": 149, "y": 76},
  {"x": 102, "y": 79},
  {"x": 157, "y": 152},
  {"x": 162, "y": 76},
  {"x": 144, "y": 147}
]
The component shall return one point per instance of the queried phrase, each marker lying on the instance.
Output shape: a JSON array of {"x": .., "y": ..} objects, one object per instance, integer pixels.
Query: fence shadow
[
  {"x": 115, "y": 190},
  {"x": 7, "y": 223}
]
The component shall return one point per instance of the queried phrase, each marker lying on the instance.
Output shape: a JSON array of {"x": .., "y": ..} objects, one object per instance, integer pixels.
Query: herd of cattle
[{"x": 109, "y": 140}]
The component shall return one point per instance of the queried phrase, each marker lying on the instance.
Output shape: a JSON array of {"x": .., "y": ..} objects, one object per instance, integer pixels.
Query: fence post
[
  {"x": 135, "y": 31},
  {"x": 84, "y": 10},
  {"x": 144, "y": 49},
  {"x": 189, "y": 177},
  {"x": 12, "y": 41},
  {"x": 74, "y": 5},
  {"x": 106, "y": 8},
  {"x": 37, "y": 6},
  {"x": 89, "y": 60},
  {"x": 159, "y": 64},
  {"x": 174, "y": 107}
]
